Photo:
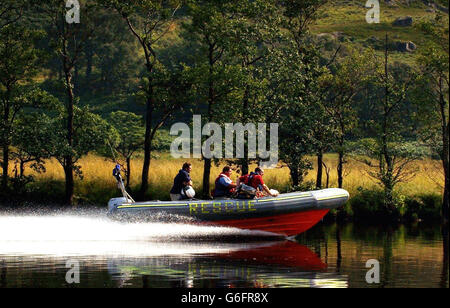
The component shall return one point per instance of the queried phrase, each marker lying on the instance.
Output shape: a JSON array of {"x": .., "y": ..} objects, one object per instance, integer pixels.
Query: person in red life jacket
[
  {"x": 255, "y": 180},
  {"x": 224, "y": 185}
]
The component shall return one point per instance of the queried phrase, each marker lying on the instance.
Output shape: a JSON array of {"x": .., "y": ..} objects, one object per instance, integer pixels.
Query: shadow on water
[{"x": 34, "y": 249}]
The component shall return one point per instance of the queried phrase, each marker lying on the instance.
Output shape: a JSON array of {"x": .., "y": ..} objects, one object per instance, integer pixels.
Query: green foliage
[
  {"x": 304, "y": 126},
  {"x": 163, "y": 141},
  {"x": 18, "y": 65},
  {"x": 11, "y": 11},
  {"x": 426, "y": 207},
  {"x": 91, "y": 133},
  {"x": 129, "y": 127},
  {"x": 368, "y": 204},
  {"x": 30, "y": 140}
]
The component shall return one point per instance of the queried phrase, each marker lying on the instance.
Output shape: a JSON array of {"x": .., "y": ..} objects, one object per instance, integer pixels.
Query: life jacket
[
  {"x": 249, "y": 179},
  {"x": 221, "y": 190}
]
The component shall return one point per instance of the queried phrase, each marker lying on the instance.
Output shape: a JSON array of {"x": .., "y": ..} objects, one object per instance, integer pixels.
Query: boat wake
[{"x": 69, "y": 234}]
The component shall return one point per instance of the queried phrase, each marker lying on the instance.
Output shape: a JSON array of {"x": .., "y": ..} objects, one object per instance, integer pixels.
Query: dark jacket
[{"x": 182, "y": 177}]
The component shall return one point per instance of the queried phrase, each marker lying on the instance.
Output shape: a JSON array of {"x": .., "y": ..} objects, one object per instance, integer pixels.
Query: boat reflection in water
[{"x": 267, "y": 264}]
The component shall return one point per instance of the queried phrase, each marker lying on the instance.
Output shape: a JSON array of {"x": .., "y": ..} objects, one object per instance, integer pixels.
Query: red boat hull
[{"x": 285, "y": 224}]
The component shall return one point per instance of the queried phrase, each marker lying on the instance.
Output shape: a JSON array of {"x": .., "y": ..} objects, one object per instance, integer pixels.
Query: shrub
[
  {"x": 425, "y": 207},
  {"x": 369, "y": 205}
]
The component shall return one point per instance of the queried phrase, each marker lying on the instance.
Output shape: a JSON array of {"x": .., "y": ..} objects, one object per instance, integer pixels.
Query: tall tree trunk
[
  {"x": 319, "y": 169},
  {"x": 147, "y": 143},
  {"x": 245, "y": 116},
  {"x": 5, "y": 165},
  {"x": 22, "y": 168},
  {"x": 206, "y": 177},
  {"x": 128, "y": 174},
  {"x": 327, "y": 174},
  {"x": 68, "y": 160},
  {"x": 386, "y": 155},
  {"x": 5, "y": 137},
  {"x": 211, "y": 98},
  {"x": 68, "y": 171},
  {"x": 295, "y": 176},
  {"x": 340, "y": 169}
]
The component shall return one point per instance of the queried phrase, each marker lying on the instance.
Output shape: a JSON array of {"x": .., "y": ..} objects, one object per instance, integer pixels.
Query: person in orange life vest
[
  {"x": 224, "y": 185},
  {"x": 255, "y": 180}
]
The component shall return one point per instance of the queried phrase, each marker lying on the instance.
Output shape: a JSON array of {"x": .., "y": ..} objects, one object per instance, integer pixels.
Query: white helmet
[{"x": 188, "y": 192}]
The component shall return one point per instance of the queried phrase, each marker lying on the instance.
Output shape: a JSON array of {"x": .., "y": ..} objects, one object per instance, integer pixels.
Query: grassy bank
[{"x": 417, "y": 199}]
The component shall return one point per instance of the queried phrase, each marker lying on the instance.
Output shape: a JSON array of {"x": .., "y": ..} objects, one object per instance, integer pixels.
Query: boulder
[
  {"x": 403, "y": 22},
  {"x": 405, "y": 46}
]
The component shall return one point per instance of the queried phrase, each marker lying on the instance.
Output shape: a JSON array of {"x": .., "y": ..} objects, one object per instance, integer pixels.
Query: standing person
[
  {"x": 182, "y": 180},
  {"x": 224, "y": 185}
]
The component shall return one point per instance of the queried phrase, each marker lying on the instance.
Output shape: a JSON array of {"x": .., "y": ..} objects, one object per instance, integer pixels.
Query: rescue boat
[{"x": 288, "y": 214}]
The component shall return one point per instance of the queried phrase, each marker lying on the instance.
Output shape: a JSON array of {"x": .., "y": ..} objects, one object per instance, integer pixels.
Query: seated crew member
[
  {"x": 182, "y": 180},
  {"x": 256, "y": 181},
  {"x": 224, "y": 185}
]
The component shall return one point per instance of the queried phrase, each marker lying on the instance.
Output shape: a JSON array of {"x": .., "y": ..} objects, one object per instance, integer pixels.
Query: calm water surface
[{"x": 35, "y": 249}]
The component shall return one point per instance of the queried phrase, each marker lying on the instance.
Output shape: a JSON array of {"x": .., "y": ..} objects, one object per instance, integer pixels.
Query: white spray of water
[{"x": 68, "y": 235}]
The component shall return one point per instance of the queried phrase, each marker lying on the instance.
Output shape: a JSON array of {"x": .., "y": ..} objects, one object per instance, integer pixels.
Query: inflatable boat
[{"x": 288, "y": 214}]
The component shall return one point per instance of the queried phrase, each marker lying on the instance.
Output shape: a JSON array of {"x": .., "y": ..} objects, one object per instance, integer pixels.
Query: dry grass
[{"x": 97, "y": 173}]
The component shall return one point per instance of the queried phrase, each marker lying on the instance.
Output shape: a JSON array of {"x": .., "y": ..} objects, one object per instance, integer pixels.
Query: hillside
[{"x": 345, "y": 20}]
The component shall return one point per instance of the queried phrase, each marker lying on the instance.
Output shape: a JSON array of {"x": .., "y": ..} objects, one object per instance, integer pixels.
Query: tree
[
  {"x": 347, "y": 78},
  {"x": 212, "y": 77},
  {"x": 90, "y": 133},
  {"x": 149, "y": 21},
  {"x": 132, "y": 136},
  {"x": 67, "y": 41},
  {"x": 252, "y": 39},
  {"x": 110, "y": 59},
  {"x": 432, "y": 96},
  {"x": 18, "y": 65},
  {"x": 298, "y": 116},
  {"x": 393, "y": 84},
  {"x": 305, "y": 94}
]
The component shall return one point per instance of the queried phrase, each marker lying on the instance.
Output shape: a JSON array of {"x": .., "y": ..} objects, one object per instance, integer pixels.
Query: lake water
[{"x": 38, "y": 251}]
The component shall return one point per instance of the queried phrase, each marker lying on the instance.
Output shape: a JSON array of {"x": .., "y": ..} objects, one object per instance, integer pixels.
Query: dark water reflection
[{"x": 326, "y": 256}]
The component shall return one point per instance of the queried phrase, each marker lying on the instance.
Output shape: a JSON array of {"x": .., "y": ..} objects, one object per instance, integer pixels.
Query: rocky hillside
[{"x": 345, "y": 21}]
